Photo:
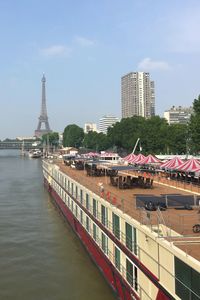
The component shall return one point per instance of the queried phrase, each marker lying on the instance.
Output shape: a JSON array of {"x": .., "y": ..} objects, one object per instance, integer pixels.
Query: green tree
[
  {"x": 125, "y": 133},
  {"x": 154, "y": 135},
  {"x": 177, "y": 138},
  {"x": 96, "y": 141},
  {"x": 194, "y": 128},
  {"x": 73, "y": 136},
  {"x": 102, "y": 142},
  {"x": 52, "y": 138}
]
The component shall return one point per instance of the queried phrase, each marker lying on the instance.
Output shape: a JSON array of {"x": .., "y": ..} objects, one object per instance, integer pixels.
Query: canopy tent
[
  {"x": 172, "y": 164},
  {"x": 129, "y": 158},
  {"x": 91, "y": 154},
  {"x": 138, "y": 159},
  {"x": 108, "y": 154},
  {"x": 150, "y": 159},
  {"x": 197, "y": 170},
  {"x": 189, "y": 166}
]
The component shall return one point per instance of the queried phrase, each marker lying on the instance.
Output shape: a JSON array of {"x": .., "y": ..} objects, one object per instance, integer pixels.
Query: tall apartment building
[
  {"x": 90, "y": 127},
  {"x": 178, "y": 115},
  {"x": 137, "y": 95},
  {"x": 105, "y": 122}
]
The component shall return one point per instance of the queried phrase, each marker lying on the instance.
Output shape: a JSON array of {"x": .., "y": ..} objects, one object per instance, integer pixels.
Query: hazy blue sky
[{"x": 84, "y": 47}]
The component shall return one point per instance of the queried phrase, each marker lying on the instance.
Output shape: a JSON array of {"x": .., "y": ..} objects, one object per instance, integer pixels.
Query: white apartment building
[
  {"x": 90, "y": 127},
  {"x": 105, "y": 122},
  {"x": 178, "y": 115},
  {"x": 137, "y": 95}
]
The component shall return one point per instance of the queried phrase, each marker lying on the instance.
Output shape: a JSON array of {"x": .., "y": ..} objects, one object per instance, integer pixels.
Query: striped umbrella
[
  {"x": 150, "y": 159},
  {"x": 129, "y": 158},
  {"x": 190, "y": 165},
  {"x": 138, "y": 159},
  {"x": 172, "y": 164}
]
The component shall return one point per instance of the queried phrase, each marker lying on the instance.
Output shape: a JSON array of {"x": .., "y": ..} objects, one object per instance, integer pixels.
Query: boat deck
[{"x": 179, "y": 220}]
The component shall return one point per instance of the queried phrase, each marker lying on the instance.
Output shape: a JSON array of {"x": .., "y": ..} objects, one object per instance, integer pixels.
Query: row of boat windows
[
  {"x": 111, "y": 221},
  {"x": 100, "y": 212},
  {"x": 129, "y": 271}
]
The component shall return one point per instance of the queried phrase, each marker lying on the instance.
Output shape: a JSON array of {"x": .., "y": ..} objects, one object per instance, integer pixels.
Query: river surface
[{"x": 40, "y": 256}]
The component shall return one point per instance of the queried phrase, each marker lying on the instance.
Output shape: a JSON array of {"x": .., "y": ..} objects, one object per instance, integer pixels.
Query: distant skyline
[{"x": 84, "y": 48}]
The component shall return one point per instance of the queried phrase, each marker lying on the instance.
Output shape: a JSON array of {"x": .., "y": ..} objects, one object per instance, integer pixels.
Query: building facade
[
  {"x": 105, "y": 122},
  {"x": 137, "y": 95},
  {"x": 90, "y": 127},
  {"x": 178, "y": 115}
]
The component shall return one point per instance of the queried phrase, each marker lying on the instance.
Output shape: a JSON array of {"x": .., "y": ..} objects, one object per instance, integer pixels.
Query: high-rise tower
[
  {"x": 43, "y": 118},
  {"x": 137, "y": 95}
]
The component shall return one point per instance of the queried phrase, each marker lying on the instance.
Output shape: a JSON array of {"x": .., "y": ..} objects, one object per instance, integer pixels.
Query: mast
[{"x": 135, "y": 145}]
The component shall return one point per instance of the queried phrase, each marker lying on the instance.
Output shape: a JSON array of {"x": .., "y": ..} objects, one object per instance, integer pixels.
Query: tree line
[{"x": 156, "y": 135}]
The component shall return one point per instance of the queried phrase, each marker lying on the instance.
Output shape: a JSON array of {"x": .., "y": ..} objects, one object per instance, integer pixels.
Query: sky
[{"x": 84, "y": 47}]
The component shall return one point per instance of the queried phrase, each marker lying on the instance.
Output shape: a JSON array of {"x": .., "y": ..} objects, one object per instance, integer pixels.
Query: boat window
[
  {"x": 87, "y": 201},
  {"x": 65, "y": 198},
  {"x": 104, "y": 215},
  {"x": 87, "y": 224},
  {"x": 94, "y": 207},
  {"x": 72, "y": 188},
  {"x": 129, "y": 272},
  {"x": 116, "y": 225},
  {"x": 104, "y": 243},
  {"x": 72, "y": 206},
  {"x": 135, "y": 278},
  {"x": 186, "y": 281},
  {"x": 117, "y": 258},
  {"x": 81, "y": 196},
  {"x": 95, "y": 232},
  {"x": 68, "y": 183},
  {"x": 81, "y": 217},
  {"x": 131, "y": 242}
]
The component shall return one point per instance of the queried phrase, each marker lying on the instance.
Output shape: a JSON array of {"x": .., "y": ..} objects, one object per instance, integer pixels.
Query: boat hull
[{"x": 120, "y": 287}]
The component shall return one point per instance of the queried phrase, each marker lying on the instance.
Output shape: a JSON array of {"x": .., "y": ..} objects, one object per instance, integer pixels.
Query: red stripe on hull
[{"x": 161, "y": 296}]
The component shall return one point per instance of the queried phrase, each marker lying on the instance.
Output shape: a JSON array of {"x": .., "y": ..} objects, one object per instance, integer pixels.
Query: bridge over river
[{"x": 19, "y": 145}]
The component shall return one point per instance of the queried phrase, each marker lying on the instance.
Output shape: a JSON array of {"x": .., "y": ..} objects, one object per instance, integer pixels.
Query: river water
[{"x": 40, "y": 256}]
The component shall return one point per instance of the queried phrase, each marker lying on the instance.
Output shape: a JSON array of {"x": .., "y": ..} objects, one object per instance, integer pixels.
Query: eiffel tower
[{"x": 43, "y": 118}]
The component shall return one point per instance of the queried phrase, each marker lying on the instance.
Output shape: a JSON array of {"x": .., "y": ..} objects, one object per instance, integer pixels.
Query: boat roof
[{"x": 178, "y": 217}]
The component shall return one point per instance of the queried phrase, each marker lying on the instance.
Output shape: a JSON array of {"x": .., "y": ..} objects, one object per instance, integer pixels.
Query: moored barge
[{"x": 143, "y": 254}]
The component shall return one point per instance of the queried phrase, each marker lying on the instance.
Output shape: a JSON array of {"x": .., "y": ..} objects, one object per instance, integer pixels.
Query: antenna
[{"x": 135, "y": 145}]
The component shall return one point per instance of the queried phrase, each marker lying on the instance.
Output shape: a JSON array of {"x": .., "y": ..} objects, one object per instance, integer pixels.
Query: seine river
[{"x": 40, "y": 256}]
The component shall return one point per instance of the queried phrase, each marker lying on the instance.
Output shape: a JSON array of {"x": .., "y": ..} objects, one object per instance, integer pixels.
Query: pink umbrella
[
  {"x": 108, "y": 154},
  {"x": 196, "y": 170},
  {"x": 150, "y": 159},
  {"x": 129, "y": 157},
  {"x": 173, "y": 163},
  {"x": 190, "y": 165},
  {"x": 138, "y": 159},
  {"x": 91, "y": 154}
]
